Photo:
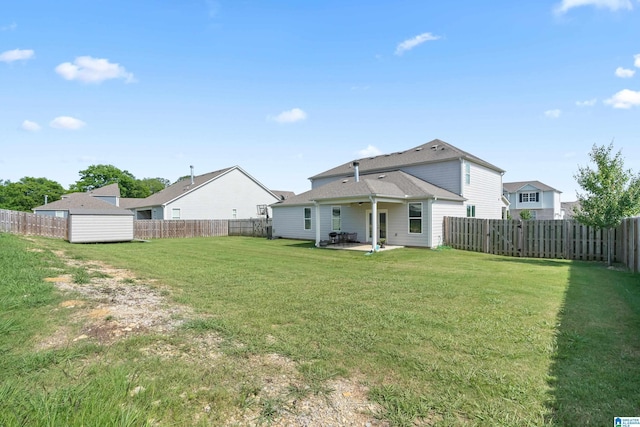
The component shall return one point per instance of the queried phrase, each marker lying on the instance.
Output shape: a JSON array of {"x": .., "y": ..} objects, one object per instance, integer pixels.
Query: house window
[
  {"x": 467, "y": 173},
  {"x": 335, "y": 218},
  {"x": 175, "y": 213},
  {"x": 415, "y": 218},
  {"x": 307, "y": 218},
  {"x": 471, "y": 211},
  {"x": 234, "y": 213},
  {"x": 529, "y": 197},
  {"x": 59, "y": 214}
]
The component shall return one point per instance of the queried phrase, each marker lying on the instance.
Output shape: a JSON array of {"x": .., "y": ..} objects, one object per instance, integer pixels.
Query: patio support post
[
  {"x": 374, "y": 223},
  {"x": 317, "y": 206}
]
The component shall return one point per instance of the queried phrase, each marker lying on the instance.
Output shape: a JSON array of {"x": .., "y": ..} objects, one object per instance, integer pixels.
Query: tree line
[{"x": 29, "y": 192}]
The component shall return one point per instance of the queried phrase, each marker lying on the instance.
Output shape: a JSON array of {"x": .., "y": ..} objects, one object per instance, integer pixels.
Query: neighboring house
[
  {"x": 225, "y": 194},
  {"x": 401, "y": 197},
  {"x": 568, "y": 209},
  {"x": 93, "y": 217},
  {"x": 103, "y": 198},
  {"x": 541, "y": 200}
]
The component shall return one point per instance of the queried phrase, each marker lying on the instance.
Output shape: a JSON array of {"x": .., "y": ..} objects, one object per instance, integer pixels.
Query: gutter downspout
[
  {"x": 374, "y": 223},
  {"x": 317, "y": 206}
]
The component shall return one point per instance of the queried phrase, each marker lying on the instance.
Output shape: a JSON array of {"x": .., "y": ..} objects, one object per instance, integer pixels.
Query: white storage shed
[{"x": 100, "y": 225}]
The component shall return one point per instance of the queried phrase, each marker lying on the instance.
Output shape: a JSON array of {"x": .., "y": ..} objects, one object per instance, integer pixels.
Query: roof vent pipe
[
  {"x": 192, "y": 177},
  {"x": 356, "y": 166}
]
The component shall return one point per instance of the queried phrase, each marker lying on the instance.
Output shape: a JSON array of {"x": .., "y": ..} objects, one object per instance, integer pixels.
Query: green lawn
[{"x": 440, "y": 337}]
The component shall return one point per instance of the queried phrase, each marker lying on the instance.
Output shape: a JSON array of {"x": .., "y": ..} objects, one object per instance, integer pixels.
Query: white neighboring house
[
  {"x": 103, "y": 198},
  {"x": 224, "y": 194},
  {"x": 401, "y": 197},
  {"x": 540, "y": 199}
]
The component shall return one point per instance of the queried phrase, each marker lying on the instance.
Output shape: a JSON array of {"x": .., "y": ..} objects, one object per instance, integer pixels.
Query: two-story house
[
  {"x": 401, "y": 197},
  {"x": 541, "y": 200}
]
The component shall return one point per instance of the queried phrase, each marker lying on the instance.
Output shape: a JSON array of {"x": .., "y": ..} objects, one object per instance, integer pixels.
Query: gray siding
[
  {"x": 100, "y": 228},
  {"x": 444, "y": 174},
  {"x": 288, "y": 222},
  {"x": 440, "y": 210}
]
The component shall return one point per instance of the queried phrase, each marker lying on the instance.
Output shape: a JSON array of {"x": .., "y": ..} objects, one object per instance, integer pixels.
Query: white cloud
[
  {"x": 587, "y": 103},
  {"x": 16, "y": 55},
  {"x": 93, "y": 70},
  {"x": 624, "y": 73},
  {"x": 626, "y": 98},
  {"x": 66, "y": 122},
  {"x": 552, "y": 114},
  {"x": 370, "y": 151},
  {"x": 290, "y": 116},
  {"x": 417, "y": 40},
  {"x": 636, "y": 61},
  {"x": 30, "y": 126},
  {"x": 9, "y": 27},
  {"x": 614, "y": 5}
]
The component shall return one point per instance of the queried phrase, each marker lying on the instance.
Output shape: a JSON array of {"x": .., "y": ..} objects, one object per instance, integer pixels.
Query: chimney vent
[
  {"x": 356, "y": 166},
  {"x": 192, "y": 177}
]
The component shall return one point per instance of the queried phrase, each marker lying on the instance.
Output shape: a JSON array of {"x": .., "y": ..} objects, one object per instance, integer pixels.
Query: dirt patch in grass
[{"x": 113, "y": 304}]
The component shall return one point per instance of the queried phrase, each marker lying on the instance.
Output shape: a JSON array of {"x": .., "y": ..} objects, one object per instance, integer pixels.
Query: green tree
[
  {"x": 28, "y": 193},
  {"x": 155, "y": 184},
  {"x": 97, "y": 176},
  {"x": 610, "y": 193},
  {"x": 525, "y": 214}
]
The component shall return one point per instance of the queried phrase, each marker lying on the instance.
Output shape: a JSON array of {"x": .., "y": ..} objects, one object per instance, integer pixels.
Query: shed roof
[
  {"x": 430, "y": 152},
  {"x": 395, "y": 185},
  {"x": 77, "y": 201}
]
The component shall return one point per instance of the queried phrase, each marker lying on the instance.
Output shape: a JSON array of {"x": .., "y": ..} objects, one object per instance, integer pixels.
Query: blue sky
[{"x": 288, "y": 89}]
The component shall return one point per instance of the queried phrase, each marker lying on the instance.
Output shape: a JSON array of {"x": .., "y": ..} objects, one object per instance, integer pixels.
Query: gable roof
[
  {"x": 513, "y": 187},
  {"x": 183, "y": 187},
  {"x": 78, "y": 201},
  {"x": 107, "y": 190},
  {"x": 430, "y": 152},
  {"x": 395, "y": 185}
]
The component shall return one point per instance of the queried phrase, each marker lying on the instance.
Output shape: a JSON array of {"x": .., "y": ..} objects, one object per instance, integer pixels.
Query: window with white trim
[
  {"x": 234, "y": 213},
  {"x": 415, "y": 218},
  {"x": 529, "y": 197},
  {"x": 175, "y": 213},
  {"x": 467, "y": 173},
  {"x": 336, "y": 222},
  {"x": 307, "y": 218},
  {"x": 471, "y": 211}
]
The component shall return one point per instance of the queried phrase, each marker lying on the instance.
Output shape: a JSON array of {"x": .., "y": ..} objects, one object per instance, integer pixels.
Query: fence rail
[
  {"x": 254, "y": 227},
  {"x": 146, "y": 229},
  {"x": 566, "y": 239},
  {"x": 31, "y": 224}
]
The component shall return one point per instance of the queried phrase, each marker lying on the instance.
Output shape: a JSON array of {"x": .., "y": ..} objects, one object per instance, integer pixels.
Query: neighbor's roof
[
  {"x": 282, "y": 195},
  {"x": 431, "y": 152},
  {"x": 395, "y": 184},
  {"x": 107, "y": 190},
  {"x": 77, "y": 201},
  {"x": 184, "y": 186},
  {"x": 512, "y": 187}
]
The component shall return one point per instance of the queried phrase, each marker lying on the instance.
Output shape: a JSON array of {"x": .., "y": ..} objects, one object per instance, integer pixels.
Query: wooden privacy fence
[
  {"x": 146, "y": 229},
  {"x": 566, "y": 239},
  {"x": 254, "y": 227},
  {"x": 42, "y": 225},
  {"x": 31, "y": 224}
]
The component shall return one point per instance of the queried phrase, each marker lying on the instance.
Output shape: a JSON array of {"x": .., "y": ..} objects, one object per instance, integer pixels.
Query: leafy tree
[
  {"x": 28, "y": 193},
  {"x": 610, "y": 193},
  {"x": 525, "y": 214},
  {"x": 97, "y": 176},
  {"x": 155, "y": 184}
]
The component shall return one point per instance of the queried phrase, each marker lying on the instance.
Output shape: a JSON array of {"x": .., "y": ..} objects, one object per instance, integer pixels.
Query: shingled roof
[
  {"x": 431, "y": 152},
  {"x": 395, "y": 184},
  {"x": 78, "y": 201},
  {"x": 512, "y": 187}
]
